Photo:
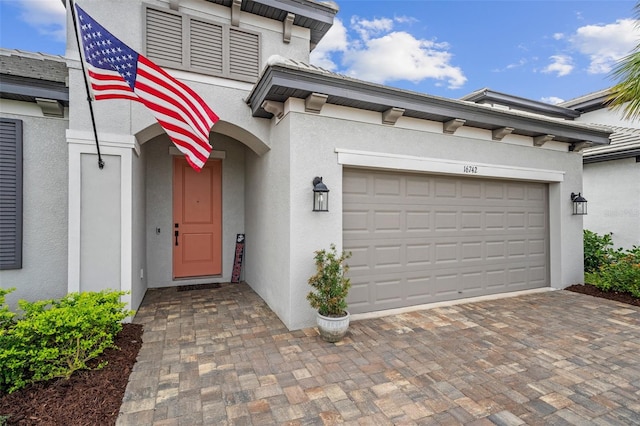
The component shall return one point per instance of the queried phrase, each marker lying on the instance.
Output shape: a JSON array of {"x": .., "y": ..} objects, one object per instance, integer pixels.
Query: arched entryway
[{"x": 169, "y": 194}]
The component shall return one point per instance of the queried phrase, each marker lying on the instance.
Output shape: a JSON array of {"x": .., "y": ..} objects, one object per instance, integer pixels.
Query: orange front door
[{"x": 197, "y": 219}]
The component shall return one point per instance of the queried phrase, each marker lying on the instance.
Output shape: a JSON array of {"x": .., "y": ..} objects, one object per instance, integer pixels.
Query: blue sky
[{"x": 542, "y": 50}]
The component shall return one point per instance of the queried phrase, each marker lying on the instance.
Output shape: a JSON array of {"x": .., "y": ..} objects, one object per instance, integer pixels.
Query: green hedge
[
  {"x": 609, "y": 269},
  {"x": 53, "y": 338}
]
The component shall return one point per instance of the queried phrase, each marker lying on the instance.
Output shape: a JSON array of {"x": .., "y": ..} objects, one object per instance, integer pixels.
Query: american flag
[{"x": 118, "y": 72}]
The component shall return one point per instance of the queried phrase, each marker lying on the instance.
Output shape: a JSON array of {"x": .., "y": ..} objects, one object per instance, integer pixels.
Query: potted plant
[{"x": 329, "y": 294}]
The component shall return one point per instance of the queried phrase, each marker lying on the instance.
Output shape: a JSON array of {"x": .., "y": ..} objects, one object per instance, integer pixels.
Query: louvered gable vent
[
  {"x": 10, "y": 194},
  {"x": 180, "y": 41},
  {"x": 243, "y": 54},
  {"x": 164, "y": 36},
  {"x": 206, "y": 46}
]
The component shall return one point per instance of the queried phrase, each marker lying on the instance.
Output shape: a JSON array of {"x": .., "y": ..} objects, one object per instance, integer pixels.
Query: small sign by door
[{"x": 237, "y": 261}]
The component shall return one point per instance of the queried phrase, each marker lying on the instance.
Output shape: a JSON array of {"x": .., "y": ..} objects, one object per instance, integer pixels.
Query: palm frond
[{"x": 625, "y": 95}]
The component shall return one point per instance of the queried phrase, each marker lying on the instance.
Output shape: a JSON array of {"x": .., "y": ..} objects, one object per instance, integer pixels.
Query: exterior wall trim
[
  {"x": 116, "y": 145},
  {"x": 380, "y": 160},
  {"x": 105, "y": 140},
  {"x": 217, "y": 154}
]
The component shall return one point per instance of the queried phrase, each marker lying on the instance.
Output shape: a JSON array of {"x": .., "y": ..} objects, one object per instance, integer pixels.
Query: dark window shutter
[
  {"x": 206, "y": 46},
  {"x": 244, "y": 55},
  {"x": 10, "y": 193},
  {"x": 164, "y": 36}
]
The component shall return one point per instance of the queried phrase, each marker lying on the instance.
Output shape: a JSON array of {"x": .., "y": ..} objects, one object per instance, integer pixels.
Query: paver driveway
[{"x": 220, "y": 356}]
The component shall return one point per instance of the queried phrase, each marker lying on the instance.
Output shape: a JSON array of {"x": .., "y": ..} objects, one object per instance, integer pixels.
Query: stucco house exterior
[
  {"x": 34, "y": 116},
  {"x": 438, "y": 199},
  {"x": 611, "y": 175}
]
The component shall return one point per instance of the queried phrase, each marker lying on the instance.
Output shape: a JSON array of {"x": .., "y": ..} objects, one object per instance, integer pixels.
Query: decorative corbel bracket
[
  {"x": 275, "y": 108},
  {"x": 314, "y": 102},
  {"x": 287, "y": 27},
  {"x": 391, "y": 115},
  {"x": 450, "y": 127},
  {"x": 499, "y": 134},
  {"x": 50, "y": 107},
  {"x": 542, "y": 139},
  {"x": 579, "y": 146},
  {"x": 235, "y": 12}
]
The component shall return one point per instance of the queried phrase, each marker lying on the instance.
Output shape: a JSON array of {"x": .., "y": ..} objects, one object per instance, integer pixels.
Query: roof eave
[
  {"x": 591, "y": 102},
  {"x": 23, "y": 87},
  {"x": 516, "y": 102},
  {"x": 343, "y": 90},
  {"x": 608, "y": 156},
  {"x": 317, "y": 16}
]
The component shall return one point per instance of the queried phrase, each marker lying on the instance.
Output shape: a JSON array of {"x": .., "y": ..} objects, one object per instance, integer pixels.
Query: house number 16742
[{"x": 470, "y": 169}]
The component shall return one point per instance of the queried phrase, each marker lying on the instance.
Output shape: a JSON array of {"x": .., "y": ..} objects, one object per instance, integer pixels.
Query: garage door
[{"x": 421, "y": 238}]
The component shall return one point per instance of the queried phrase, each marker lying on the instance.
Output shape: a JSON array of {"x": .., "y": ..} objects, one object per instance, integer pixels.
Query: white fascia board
[
  {"x": 378, "y": 160},
  {"x": 624, "y": 146},
  {"x": 104, "y": 139}
]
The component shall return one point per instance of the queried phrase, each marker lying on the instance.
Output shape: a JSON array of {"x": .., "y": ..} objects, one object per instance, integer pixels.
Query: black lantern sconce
[
  {"x": 579, "y": 204},
  {"x": 320, "y": 195}
]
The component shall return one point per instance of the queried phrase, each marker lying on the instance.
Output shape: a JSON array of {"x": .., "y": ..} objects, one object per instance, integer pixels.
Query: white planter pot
[{"x": 332, "y": 329}]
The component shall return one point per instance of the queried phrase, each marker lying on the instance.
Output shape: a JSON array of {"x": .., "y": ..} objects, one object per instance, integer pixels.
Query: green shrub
[
  {"x": 53, "y": 338},
  {"x": 622, "y": 274},
  {"x": 6, "y": 316},
  {"x": 598, "y": 250}
]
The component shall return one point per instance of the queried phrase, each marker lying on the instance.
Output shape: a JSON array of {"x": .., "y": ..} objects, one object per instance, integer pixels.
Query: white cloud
[
  {"x": 513, "y": 65},
  {"x": 48, "y": 17},
  {"x": 405, "y": 19},
  {"x": 558, "y": 36},
  {"x": 518, "y": 64},
  {"x": 561, "y": 64},
  {"x": 553, "y": 100},
  {"x": 400, "y": 56},
  {"x": 379, "y": 54},
  {"x": 369, "y": 28},
  {"x": 606, "y": 44}
]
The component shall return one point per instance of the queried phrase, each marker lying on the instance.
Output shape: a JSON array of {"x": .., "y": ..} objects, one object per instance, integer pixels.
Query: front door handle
[{"x": 176, "y": 233}]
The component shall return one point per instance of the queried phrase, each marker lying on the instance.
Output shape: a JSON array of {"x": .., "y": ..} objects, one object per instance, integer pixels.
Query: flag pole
[{"x": 86, "y": 83}]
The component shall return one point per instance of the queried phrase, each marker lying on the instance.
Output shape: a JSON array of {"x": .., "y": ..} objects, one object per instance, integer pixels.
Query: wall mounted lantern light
[
  {"x": 320, "y": 195},
  {"x": 579, "y": 204}
]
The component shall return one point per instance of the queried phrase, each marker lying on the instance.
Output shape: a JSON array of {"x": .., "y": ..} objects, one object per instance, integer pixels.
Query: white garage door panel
[{"x": 418, "y": 239}]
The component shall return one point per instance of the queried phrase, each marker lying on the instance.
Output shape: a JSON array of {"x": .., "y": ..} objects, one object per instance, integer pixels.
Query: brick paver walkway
[{"x": 220, "y": 356}]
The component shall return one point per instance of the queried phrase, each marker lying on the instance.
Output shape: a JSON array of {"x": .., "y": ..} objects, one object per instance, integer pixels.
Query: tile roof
[
  {"x": 37, "y": 66},
  {"x": 625, "y": 142}
]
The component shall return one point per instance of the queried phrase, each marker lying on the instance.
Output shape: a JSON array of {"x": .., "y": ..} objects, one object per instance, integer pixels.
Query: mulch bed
[
  {"x": 87, "y": 398},
  {"x": 611, "y": 295},
  {"x": 94, "y": 397}
]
